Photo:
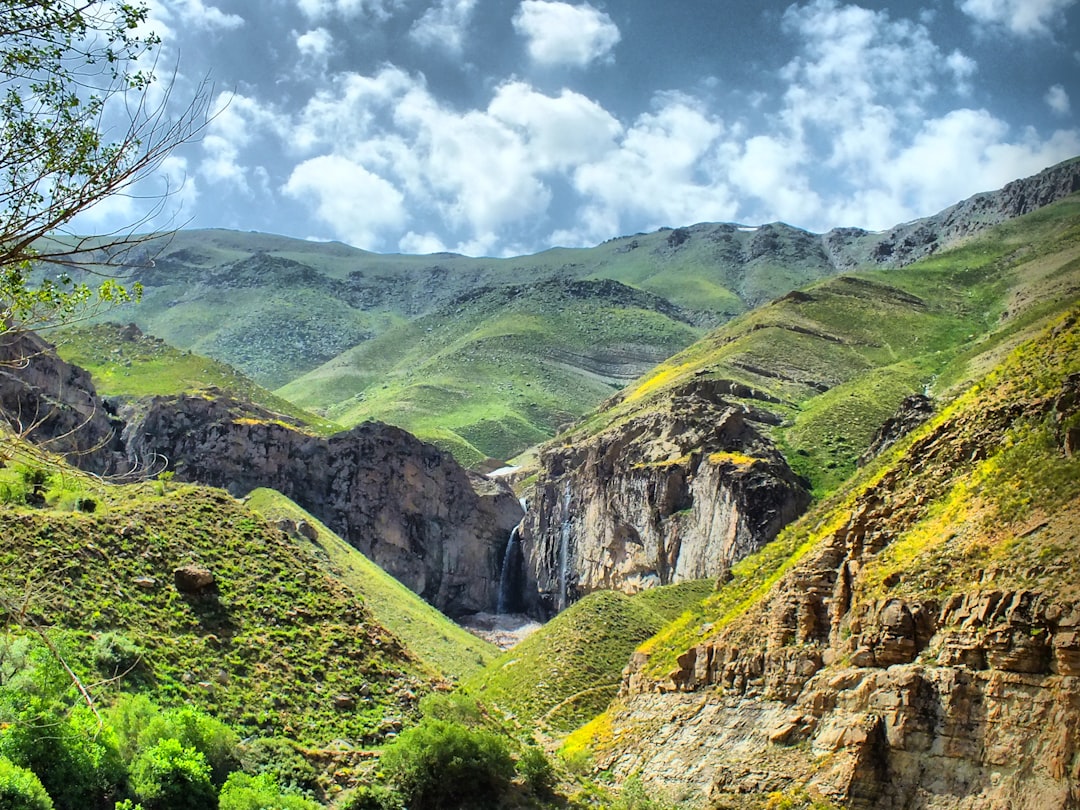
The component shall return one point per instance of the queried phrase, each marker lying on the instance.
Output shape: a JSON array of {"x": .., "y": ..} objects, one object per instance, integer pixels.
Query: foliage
[
  {"x": 244, "y": 792},
  {"x": 536, "y": 769},
  {"x": 170, "y": 776},
  {"x": 20, "y": 789},
  {"x": 281, "y": 760},
  {"x": 78, "y": 762},
  {"x": 373, "y": 797},
  {"x": 66, "y": 70},
  {"x": 439, "y": 764},
  {"x": 199, "y": 731}
]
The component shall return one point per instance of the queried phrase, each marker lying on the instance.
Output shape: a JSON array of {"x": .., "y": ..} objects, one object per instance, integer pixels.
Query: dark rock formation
[
  {"x": 913, "y": 411},
  {"x": 678, "y": 493},
  {"x": 405, "y": 504},
  {"x": 55, "y": 405}
]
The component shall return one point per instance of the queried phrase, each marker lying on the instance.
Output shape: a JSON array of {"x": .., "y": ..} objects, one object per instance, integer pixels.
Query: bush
[
  {"x": 201, "y": 732},
  {"x": 373, "y": 797},
  {"x": 283, "y": 760},
  {"x": 115, "y": 654},
  {"x": 20, "y": 789},
  {"x": 245, "y": 792},
  {"x": 439, "y": 764},
  {"x": 77, "y": 762},
  {"x": 169, "y": 776},
  {"x": 536, "y": 770}
]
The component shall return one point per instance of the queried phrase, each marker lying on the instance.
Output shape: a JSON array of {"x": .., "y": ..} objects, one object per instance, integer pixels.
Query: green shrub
[
  {"x": 77, "y": 761},
  {"x": 439, "y": 764},
  {"x": 20, "y": 789},
  {"x": 115, "y": 654},
  {"x": 245, "y": 792},
  {"x": 373, "y": 797},
  {"x": 283, "y": 760},
  {"x": 201, "y": 732},
  {"x": 169, "y": 776},
  {"x": 536, "y": 770}
]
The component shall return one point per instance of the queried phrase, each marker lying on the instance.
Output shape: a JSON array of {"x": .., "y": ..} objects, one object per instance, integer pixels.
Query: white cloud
[
  {"x": 444, "y": 25},
  {"x": 321, "y": 9},
  {"x": 359, "y": 206},
  {"x": 561, "y": 131},
  {"x": 237, "y": 122},
  {"x": 421, "y": 244},
  {"x": 315, "y": 46},
  {"x": 199, "y": 15},
  {"x": 1058, "y": 100},
  {"x": 1027, "y": 18},
  {"x": 855, "y": 124},
  {"x": 663, "y": 172},
  {"x": 564, "y": 34}
]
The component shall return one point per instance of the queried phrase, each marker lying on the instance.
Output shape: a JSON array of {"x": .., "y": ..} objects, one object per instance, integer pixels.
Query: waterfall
[
  {"x": 506, "y": 575},
  {"x": 564, "y": 547}
]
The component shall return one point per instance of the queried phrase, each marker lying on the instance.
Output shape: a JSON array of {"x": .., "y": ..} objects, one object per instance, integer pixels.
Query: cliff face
[
  {"x": 678, "y": 493},
  {"x": 406, "y": 505},
  {"x": 54, "y": 404},
  {"x": 924, "y": 652}
]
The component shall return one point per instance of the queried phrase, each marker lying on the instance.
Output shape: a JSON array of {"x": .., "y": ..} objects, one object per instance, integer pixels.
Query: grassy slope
[
  {"x": 570, "y": 669},
  {"x": 502, "y": 370},
  {"x": 872, "y": 338},
  {"x": 277, "y": 308},
  {"x": 270, "y": 652},
  {"x": 146, "y": 366},
  {"x": 427, "y": 633}
]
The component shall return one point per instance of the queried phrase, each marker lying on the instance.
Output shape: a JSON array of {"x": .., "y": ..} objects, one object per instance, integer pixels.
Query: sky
[{"x": 505, "y": 127}]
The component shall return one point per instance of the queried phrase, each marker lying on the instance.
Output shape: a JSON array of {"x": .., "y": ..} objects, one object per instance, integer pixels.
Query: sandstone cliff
[
  {"x": 924, "y": 649},
  {"x": 405, "y": 504},
  {"x": 678, "y": 493}
]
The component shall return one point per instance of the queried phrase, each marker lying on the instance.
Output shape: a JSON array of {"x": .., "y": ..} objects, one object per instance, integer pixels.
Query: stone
[
  {"x": 194, "y": 580},
  {"x": 146, "y": 583}
]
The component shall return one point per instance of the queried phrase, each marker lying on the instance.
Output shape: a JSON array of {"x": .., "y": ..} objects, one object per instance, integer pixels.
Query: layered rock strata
[
  {"x": 679, "y": 493},
  {"x": 919, "y": 690}
]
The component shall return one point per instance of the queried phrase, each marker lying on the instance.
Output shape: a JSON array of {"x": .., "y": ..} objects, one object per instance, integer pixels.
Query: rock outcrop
[
  {"x": 405, "y": 504},
  {"x": 907, "y": 660},
  {"x": 678, "y": 493},
  {"x": 55, "y": 405}
]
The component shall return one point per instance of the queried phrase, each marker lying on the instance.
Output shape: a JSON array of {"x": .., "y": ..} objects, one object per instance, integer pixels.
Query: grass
[
  {"x": 129, "y": 365},
  {"x": 570, "y": 669},
  {"x": 269, "y": 650},
  {"x": 428, "y": 634}
]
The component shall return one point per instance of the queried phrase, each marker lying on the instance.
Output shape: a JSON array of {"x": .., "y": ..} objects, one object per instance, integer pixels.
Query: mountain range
[{"x": 800, "y": 523}]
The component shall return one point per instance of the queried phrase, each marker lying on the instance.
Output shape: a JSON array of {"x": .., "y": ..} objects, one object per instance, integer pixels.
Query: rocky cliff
[
  {"x": 54, "y": 404},
  {"x": 924, "y": 649},
  {"x": 406, "y": 505},
  {"x": 680, "y": 492}
]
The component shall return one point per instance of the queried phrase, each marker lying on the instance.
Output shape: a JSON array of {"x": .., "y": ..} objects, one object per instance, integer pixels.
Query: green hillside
[
  {"x": 502, "y": 368},
  {"x": 125, "y": 363},
  {"x": 275, "y": 646},
  {"x": 570, "y": 669},
  {"x": 425, "y": 632},
  {"x": 483, "y": 356},
  {"x": 835, "y": 359}
]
